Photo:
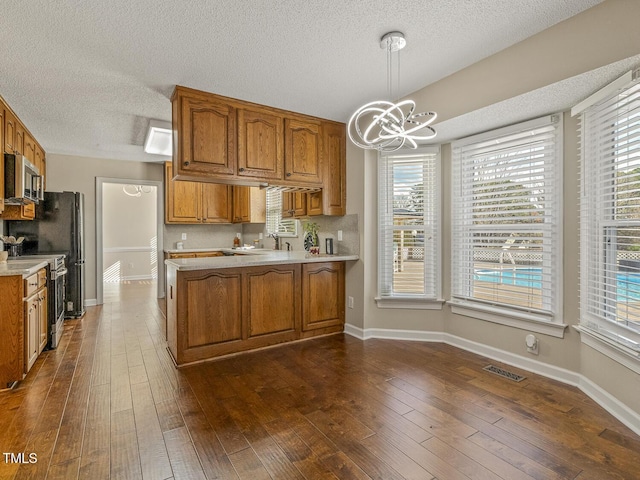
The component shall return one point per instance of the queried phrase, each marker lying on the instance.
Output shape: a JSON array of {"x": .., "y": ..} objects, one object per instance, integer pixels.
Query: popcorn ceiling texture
[{"x": 86, "y": 77}]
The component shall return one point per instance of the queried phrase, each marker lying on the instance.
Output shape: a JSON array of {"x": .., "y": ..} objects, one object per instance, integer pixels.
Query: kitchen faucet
[
  {"x": 288, "y": 246},
  {"x": 277, "y": 239}
]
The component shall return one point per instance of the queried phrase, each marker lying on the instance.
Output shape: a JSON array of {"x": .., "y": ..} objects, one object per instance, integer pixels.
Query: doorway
[{"x": 129, "y": 246}]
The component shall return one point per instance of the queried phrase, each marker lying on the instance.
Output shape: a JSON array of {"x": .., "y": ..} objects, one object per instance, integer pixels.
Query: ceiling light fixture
[
  {"x": 387, "y": 126},
  {"x": 137, "y": 190},
  {"x": 158, "y": 141}
]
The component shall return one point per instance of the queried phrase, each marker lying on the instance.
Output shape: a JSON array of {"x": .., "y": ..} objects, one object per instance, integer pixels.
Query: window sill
[
  {"x": 609, "y": 348},
  {"x": 514, "y": 319},
  {"x": 407, "y": 302}
]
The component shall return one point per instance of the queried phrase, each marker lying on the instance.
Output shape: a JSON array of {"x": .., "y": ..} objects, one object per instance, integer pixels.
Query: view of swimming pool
[{"x": 627, "y": 284}]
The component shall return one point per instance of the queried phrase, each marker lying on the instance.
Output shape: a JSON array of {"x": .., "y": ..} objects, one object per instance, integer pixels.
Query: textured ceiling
[{"x": 86, "y": 77}]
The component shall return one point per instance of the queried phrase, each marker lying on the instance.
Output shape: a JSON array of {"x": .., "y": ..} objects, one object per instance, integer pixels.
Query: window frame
[
  {"x": 600, "y": 325},
  {"x": 548, "y": 319},
  {"x": 273, "y": 215},
  {"x": 432, "y": 222}
]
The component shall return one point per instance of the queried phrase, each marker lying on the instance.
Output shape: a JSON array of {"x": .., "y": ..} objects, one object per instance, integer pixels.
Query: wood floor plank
[
  {"x": 108, "y": 403},
  {"x": 154, "y": 459},
  {"x": 183, "y": 457},
  {"x": 125, "y": 459}
]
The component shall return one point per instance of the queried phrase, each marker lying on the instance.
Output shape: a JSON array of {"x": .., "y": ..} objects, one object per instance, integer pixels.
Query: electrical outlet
[
  {"x": 339, "y": 235},
  {"x": 184, "y": 236},
  {"x": 350, "y": 302}
]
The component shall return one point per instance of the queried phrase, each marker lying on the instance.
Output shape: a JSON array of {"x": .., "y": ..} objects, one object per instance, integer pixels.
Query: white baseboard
[
  {"x": 607, "y": 401},
  {"x": 90, "y": 302}
]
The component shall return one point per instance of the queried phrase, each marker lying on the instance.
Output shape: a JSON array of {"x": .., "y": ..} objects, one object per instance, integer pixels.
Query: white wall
[
  {"x": 599, "y": 36},
  {"x": 129, "y": 226}
]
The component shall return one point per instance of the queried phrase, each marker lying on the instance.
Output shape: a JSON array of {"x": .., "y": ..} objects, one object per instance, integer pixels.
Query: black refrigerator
[{"x": 58, "y": 228}]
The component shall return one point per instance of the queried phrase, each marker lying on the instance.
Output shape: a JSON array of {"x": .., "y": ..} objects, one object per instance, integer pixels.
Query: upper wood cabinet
[
  {"x": 334, "y": 193},
  {"x": 249, "y": 205},
  {"x": 18, "y": 139},
  {"x": 41, "y": 163},
  {"x": 29, "y": 148},
  {"x": 260, "y": 144},
  {"x": 9, "y": 131},
  {"x": 303, "y": 151},
  {"x": 206, "y": 135},
  {"x": 196, "y": 202},
  {"x": 294, "y": 204},
  {"x": 223, "y": 140}
]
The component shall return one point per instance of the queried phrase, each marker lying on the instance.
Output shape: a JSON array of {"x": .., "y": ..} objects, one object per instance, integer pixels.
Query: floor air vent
[{"x": 504, "y": 373}]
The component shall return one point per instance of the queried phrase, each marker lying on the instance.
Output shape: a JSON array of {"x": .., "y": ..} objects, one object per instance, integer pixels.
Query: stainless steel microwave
[{"x": 22, "y": 181}]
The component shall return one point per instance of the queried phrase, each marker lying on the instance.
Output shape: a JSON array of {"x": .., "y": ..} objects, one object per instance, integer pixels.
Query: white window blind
[
  {"x": 286, "y": 227},
  {"x": 408, "y": 225},
  {"x": 506, "y": 208},
  {"x": 610, "y": 216}
]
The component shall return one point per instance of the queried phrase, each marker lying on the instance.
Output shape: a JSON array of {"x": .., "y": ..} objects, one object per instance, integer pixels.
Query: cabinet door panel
[
  {"x": 260, "y": 144},
  {"x": 31, "y": 324},
  {"x": 314, "y": 203},
  {"x": 241, "y": 204},
  {"x": 43, "y": 329},
  {"x": 303, "y": 151},
  {"x": 334, "y": 194},
  {"x": 320, "y": 282},
  {"x": 18, "y": 139},
  {"x": 9, "y": 131},
  {"x": 214, "y": 310},
  {"x": 29, "y": 148},
  {"x": 181, "y": 199},
  {"x": 216, "y": 203},
  {"x": 208, "y": 136},
  {"x": 271, "y": 301}
]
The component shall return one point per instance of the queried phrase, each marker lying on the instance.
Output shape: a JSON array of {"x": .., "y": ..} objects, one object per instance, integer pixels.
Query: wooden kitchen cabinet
[
  {"x": 9, "y": 130},
  {"x": 19, "y": 212},
  {"x": 221, "y": 311},
  {"x": 322, "y": 296},
  {"x": 195, "y": 254},
  {"x": 196, "y": 202},
  {"x": 260, "y": 144},
  {"x": 18, "y": 139},
  {"x": 294, "y": 204},
  {"x": 35, "y": 314},
  {"x": 303, "y": 151},
  {"x": 334, "y": 193},
  {"x": 12, "y": 325},
  {"x": 249, "y": 205},
  {"x": 29, "y": 148},
  {"x": 41, "y": 164},
  {"x": 206, "y": 134}
]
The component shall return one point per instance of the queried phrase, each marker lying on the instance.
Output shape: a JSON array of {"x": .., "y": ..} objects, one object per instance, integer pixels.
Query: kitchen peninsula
[{"x": 251, "y": 299}]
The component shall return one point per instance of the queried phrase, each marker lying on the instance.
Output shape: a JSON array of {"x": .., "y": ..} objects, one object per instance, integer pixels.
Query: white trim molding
[
  {"x": 607, "y": 401},
  {"x": 615, "y": 351},
  {"x": 412, "y": 303},
  {"x": 512, "y": 319}
]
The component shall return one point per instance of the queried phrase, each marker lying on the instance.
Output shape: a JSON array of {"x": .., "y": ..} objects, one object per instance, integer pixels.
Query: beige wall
[
  {"x": 602, "y": 35},
  {"x": 78, "y": 174},
  {"x": 129, "y": 226}
]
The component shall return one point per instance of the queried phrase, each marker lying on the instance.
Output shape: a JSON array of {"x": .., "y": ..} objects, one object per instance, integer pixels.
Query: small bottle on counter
[{"x": 236, "y": 240}]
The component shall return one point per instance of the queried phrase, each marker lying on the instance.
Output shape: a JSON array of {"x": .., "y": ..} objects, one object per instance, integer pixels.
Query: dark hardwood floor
[{"x": 109, "y": 404}]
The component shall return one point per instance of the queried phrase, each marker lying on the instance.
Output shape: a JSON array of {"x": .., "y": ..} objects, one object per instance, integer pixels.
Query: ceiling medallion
[{"x": 387, "y": 126}]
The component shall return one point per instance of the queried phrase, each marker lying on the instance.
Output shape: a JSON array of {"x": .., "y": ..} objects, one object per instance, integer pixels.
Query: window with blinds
[
  {"x": 283, "y": 227},
  {"x": 610, "y": 215},
  {"x": 506, "y": 204},
  {"x": 408, "y": 225}
]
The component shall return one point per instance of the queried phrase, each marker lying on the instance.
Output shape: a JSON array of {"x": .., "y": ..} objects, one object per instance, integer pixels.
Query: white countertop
[
  {"x": 22, "y": 267},
  {"x": 252, "y": 258},
  {"x": 219, "y": 249}
]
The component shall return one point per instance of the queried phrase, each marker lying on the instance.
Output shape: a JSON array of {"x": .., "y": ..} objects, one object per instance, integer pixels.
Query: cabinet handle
[
  {"x": 186, "y": 164},
  {"x": 288, "y": 174},
  {"x": 241, "y": 169}
]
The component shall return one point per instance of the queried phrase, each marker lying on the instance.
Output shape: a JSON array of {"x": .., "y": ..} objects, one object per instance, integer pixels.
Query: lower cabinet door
[
  {"x": 31, "y": 316},
  {"x": 322, "y": 296}
]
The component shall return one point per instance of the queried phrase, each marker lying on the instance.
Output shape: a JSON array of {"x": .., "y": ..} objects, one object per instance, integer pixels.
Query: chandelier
[{"x": 387, "y": 126}]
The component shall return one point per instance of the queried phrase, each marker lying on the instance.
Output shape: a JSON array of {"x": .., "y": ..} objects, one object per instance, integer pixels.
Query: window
[
  {"x": 408, "y": 228},
  {"x": 287, "y": 227},
  {"x": 610, "y": 216},
  {"x": 506, "y": 208}
]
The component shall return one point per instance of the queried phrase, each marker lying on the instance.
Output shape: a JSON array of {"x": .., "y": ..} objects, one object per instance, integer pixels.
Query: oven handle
[{"x": 58, "y": 273}]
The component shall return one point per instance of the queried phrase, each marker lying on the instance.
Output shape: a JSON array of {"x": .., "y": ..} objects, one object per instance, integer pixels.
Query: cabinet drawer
[{"x": 35, "y": 282}]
